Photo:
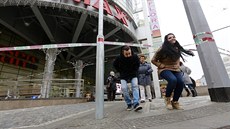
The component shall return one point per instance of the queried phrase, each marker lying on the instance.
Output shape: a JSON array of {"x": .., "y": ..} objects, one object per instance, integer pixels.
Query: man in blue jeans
[{"x": 127, "y": 64}]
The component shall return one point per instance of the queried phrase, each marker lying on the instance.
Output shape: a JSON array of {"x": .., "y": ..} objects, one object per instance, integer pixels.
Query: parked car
[{"x": 119, "y": 95}]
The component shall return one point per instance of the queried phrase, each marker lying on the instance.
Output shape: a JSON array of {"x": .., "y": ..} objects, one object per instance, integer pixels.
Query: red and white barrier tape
[{"x": 66, "y": 45}]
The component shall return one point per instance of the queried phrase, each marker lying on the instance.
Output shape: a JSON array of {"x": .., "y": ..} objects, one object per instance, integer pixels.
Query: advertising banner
[{"x": 155, "y": 28}]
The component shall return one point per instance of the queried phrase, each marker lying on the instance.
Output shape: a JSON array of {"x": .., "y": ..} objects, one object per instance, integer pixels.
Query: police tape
[
  {"x": 66, "y": 45},
  {"x": 48, "y": 46},
  {"x": 201, "y": 33},
  {"x": 224, "y": 49}
]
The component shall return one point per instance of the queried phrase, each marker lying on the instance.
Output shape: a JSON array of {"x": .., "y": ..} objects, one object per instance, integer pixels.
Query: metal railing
[{"x": 31, "y": 88}]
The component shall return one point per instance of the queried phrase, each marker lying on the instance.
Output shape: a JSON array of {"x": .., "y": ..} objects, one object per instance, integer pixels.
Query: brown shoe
[
  {"x": 168, "y": 103},
  {"x": 176, "y": 105}
]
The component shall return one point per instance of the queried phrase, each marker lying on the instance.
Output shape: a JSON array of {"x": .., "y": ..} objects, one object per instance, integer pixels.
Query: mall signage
[
  {"x": 18, "y": 58},
  {"x": 118, "y": 14}
]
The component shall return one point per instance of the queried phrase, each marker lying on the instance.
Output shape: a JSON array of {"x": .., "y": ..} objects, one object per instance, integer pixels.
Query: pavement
[{"x": 199, "y": 113}]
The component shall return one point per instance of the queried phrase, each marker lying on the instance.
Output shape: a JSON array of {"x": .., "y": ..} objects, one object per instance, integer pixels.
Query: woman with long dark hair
[{"x": 167, "y": 59}]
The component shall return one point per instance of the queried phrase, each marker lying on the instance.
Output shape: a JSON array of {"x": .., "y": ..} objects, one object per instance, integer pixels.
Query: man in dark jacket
[
  {"x": 111, "y": 86},
  {"x": 127, "y": 64}
]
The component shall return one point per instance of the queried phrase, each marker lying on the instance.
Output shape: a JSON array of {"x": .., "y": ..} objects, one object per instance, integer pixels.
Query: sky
[{"x": 172, "y": 19}]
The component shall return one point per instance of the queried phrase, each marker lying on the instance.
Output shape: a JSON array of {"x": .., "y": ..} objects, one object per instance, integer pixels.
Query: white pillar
[
  {"x": 150, "y": 41},
  {"x": 78, "y": 75},
  {"x": 51, "y": 55}
]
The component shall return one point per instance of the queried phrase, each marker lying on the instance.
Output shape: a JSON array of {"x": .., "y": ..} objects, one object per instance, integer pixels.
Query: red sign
[
  {"x": 19, "y": 59},
  {"x": 120, "y": 15}
]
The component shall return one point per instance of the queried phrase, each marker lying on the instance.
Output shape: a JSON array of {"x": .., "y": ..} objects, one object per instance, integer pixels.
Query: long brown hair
[{"x": 173, "y": 51}]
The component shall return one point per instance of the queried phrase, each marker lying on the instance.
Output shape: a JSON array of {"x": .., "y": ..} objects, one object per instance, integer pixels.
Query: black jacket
[{"x": 127, "y": 67}]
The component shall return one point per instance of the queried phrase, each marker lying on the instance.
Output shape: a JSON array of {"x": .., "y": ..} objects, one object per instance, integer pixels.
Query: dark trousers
[
  {"x": 190, "y": 86},
  {"x": 175, "y": 83},
  {"x": 111, "y": 95}
]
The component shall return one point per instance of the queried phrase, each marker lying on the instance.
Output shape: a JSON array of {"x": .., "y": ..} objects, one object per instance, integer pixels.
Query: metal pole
[
  {"x": 214, "y": 70},
  {"x": 100, "y": 66}
]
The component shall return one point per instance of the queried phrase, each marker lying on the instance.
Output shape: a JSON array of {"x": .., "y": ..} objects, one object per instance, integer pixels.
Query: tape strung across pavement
[
  {"x": 33, "y": 47},
  {"x": 201, "y": 33},
  {"x": 66, "y": 45},
  {"x": 205, "y": 39}
]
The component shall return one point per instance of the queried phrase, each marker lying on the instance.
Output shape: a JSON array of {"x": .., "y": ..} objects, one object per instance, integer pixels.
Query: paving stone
[{"x": 82, "y": 116}]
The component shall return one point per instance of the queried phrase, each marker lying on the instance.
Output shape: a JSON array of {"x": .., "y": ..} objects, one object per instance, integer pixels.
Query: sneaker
[
  {"x": 129, "y": 108},
  {"x": 150, "y": 100},
  {"x": 137, "y": 107},
  {"x": 142, "y": 101}
]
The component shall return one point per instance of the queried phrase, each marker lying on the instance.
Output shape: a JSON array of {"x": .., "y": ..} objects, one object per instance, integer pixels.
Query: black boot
[
  {"x": 194, "y": 94},
  {"x": 188, "y": 92}
]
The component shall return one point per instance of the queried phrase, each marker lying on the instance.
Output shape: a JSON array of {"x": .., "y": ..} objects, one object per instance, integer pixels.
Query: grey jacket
[
  {"x": 186, "y": 72},
  {"x": 144, "y": 74}
]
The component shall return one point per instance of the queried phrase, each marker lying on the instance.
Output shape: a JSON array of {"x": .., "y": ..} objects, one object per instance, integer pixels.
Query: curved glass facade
[
  {"x": 126, "y": 5},
  {"x": 43, "y": 22}
]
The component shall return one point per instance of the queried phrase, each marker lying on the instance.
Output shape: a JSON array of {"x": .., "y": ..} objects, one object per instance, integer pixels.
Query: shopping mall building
[{"x": 42, "y": 22}]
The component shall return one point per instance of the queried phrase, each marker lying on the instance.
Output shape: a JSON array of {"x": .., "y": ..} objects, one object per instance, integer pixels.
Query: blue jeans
[
  {"x": 175, "y": 83},
  {"x": 135, "y": 91}
]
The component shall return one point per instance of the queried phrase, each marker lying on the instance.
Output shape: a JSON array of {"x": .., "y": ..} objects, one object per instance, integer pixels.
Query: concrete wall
[
  {"x": 16, "y": 104},
  {"x": 201, "y": 90}
]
